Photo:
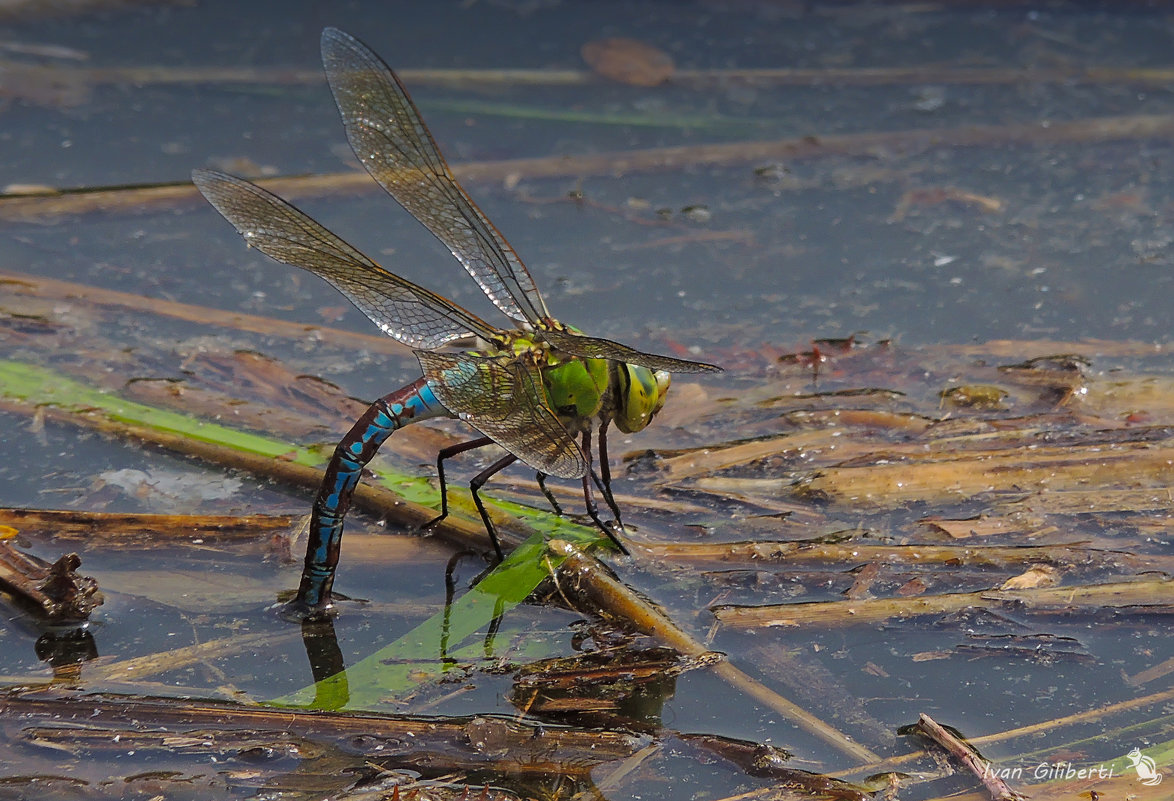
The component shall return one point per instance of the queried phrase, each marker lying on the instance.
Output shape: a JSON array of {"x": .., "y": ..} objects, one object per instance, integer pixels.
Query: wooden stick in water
[
  {"x": 969, "y": 757},
  {"x": 619, "y": 600},
  {"x": 1143, "y": 596},
  {"x": 37, "y": 207}
]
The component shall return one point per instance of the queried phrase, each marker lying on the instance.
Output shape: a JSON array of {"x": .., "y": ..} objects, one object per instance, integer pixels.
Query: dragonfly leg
[
  {"x": 448, "y": 453},
  {"x": 475, "y": 486},
  {"x": 589, "y": 496},
  {"x": 354, "y": 451},
  {"x": 554, "y": 504},
  {"x": 604, "y": 481}
]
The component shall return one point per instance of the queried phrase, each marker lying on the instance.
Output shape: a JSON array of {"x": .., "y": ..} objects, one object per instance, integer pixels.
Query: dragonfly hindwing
[{"x": 503, "y": 399}]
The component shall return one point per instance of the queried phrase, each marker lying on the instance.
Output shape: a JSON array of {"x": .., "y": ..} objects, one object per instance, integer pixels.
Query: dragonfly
[{"x": 539, "y": 388}]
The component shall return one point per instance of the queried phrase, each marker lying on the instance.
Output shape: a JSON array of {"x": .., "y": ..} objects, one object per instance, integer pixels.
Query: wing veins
[
  {"x": 504, "y": 400},
  {"x": 484, "y": 232},
  {"x": 599, "y": 348},
  {"x": 362, "y": 83},
  {"x": 487, "y": 239},
  {"x": 405, "y": 311}
]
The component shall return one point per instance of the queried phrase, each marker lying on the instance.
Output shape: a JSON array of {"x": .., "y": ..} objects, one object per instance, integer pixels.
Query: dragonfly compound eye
[{"x": 640, "y": 397}]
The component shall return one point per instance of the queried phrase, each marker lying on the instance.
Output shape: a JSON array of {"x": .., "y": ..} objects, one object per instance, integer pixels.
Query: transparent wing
[
  {"x": 413, "y": 315},
  {"x": 504, "y": 401},
  {"x": 596, "y": 348},
  {"x": 390, "y": 139}
]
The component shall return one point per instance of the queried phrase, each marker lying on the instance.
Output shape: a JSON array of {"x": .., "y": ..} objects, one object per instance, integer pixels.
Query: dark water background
[{"x": 1040, "y": 240}]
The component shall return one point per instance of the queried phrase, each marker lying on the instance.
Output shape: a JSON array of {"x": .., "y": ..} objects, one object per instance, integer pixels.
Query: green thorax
[
  {"x": 577, "y": 388},
  {"x": 580, "y": 389}
]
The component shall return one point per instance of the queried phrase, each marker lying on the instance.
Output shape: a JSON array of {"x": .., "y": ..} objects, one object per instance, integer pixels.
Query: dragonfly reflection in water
[{"x": 532, "y": 389}]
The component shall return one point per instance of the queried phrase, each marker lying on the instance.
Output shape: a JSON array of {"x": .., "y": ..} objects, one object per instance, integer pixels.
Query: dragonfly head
[{"x": 640, "y": 395}]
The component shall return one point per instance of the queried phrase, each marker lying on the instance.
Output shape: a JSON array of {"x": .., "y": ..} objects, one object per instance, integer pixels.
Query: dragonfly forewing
[
  {"x": 597, "y": 348},
  {"x": 504, "y": 400},
  {"x": 413, "y": 315},
  {"x": 391, "y": 141}
]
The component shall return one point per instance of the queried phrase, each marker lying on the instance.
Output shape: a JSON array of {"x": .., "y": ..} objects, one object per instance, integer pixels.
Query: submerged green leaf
[{"x": 427, "y": 651}]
